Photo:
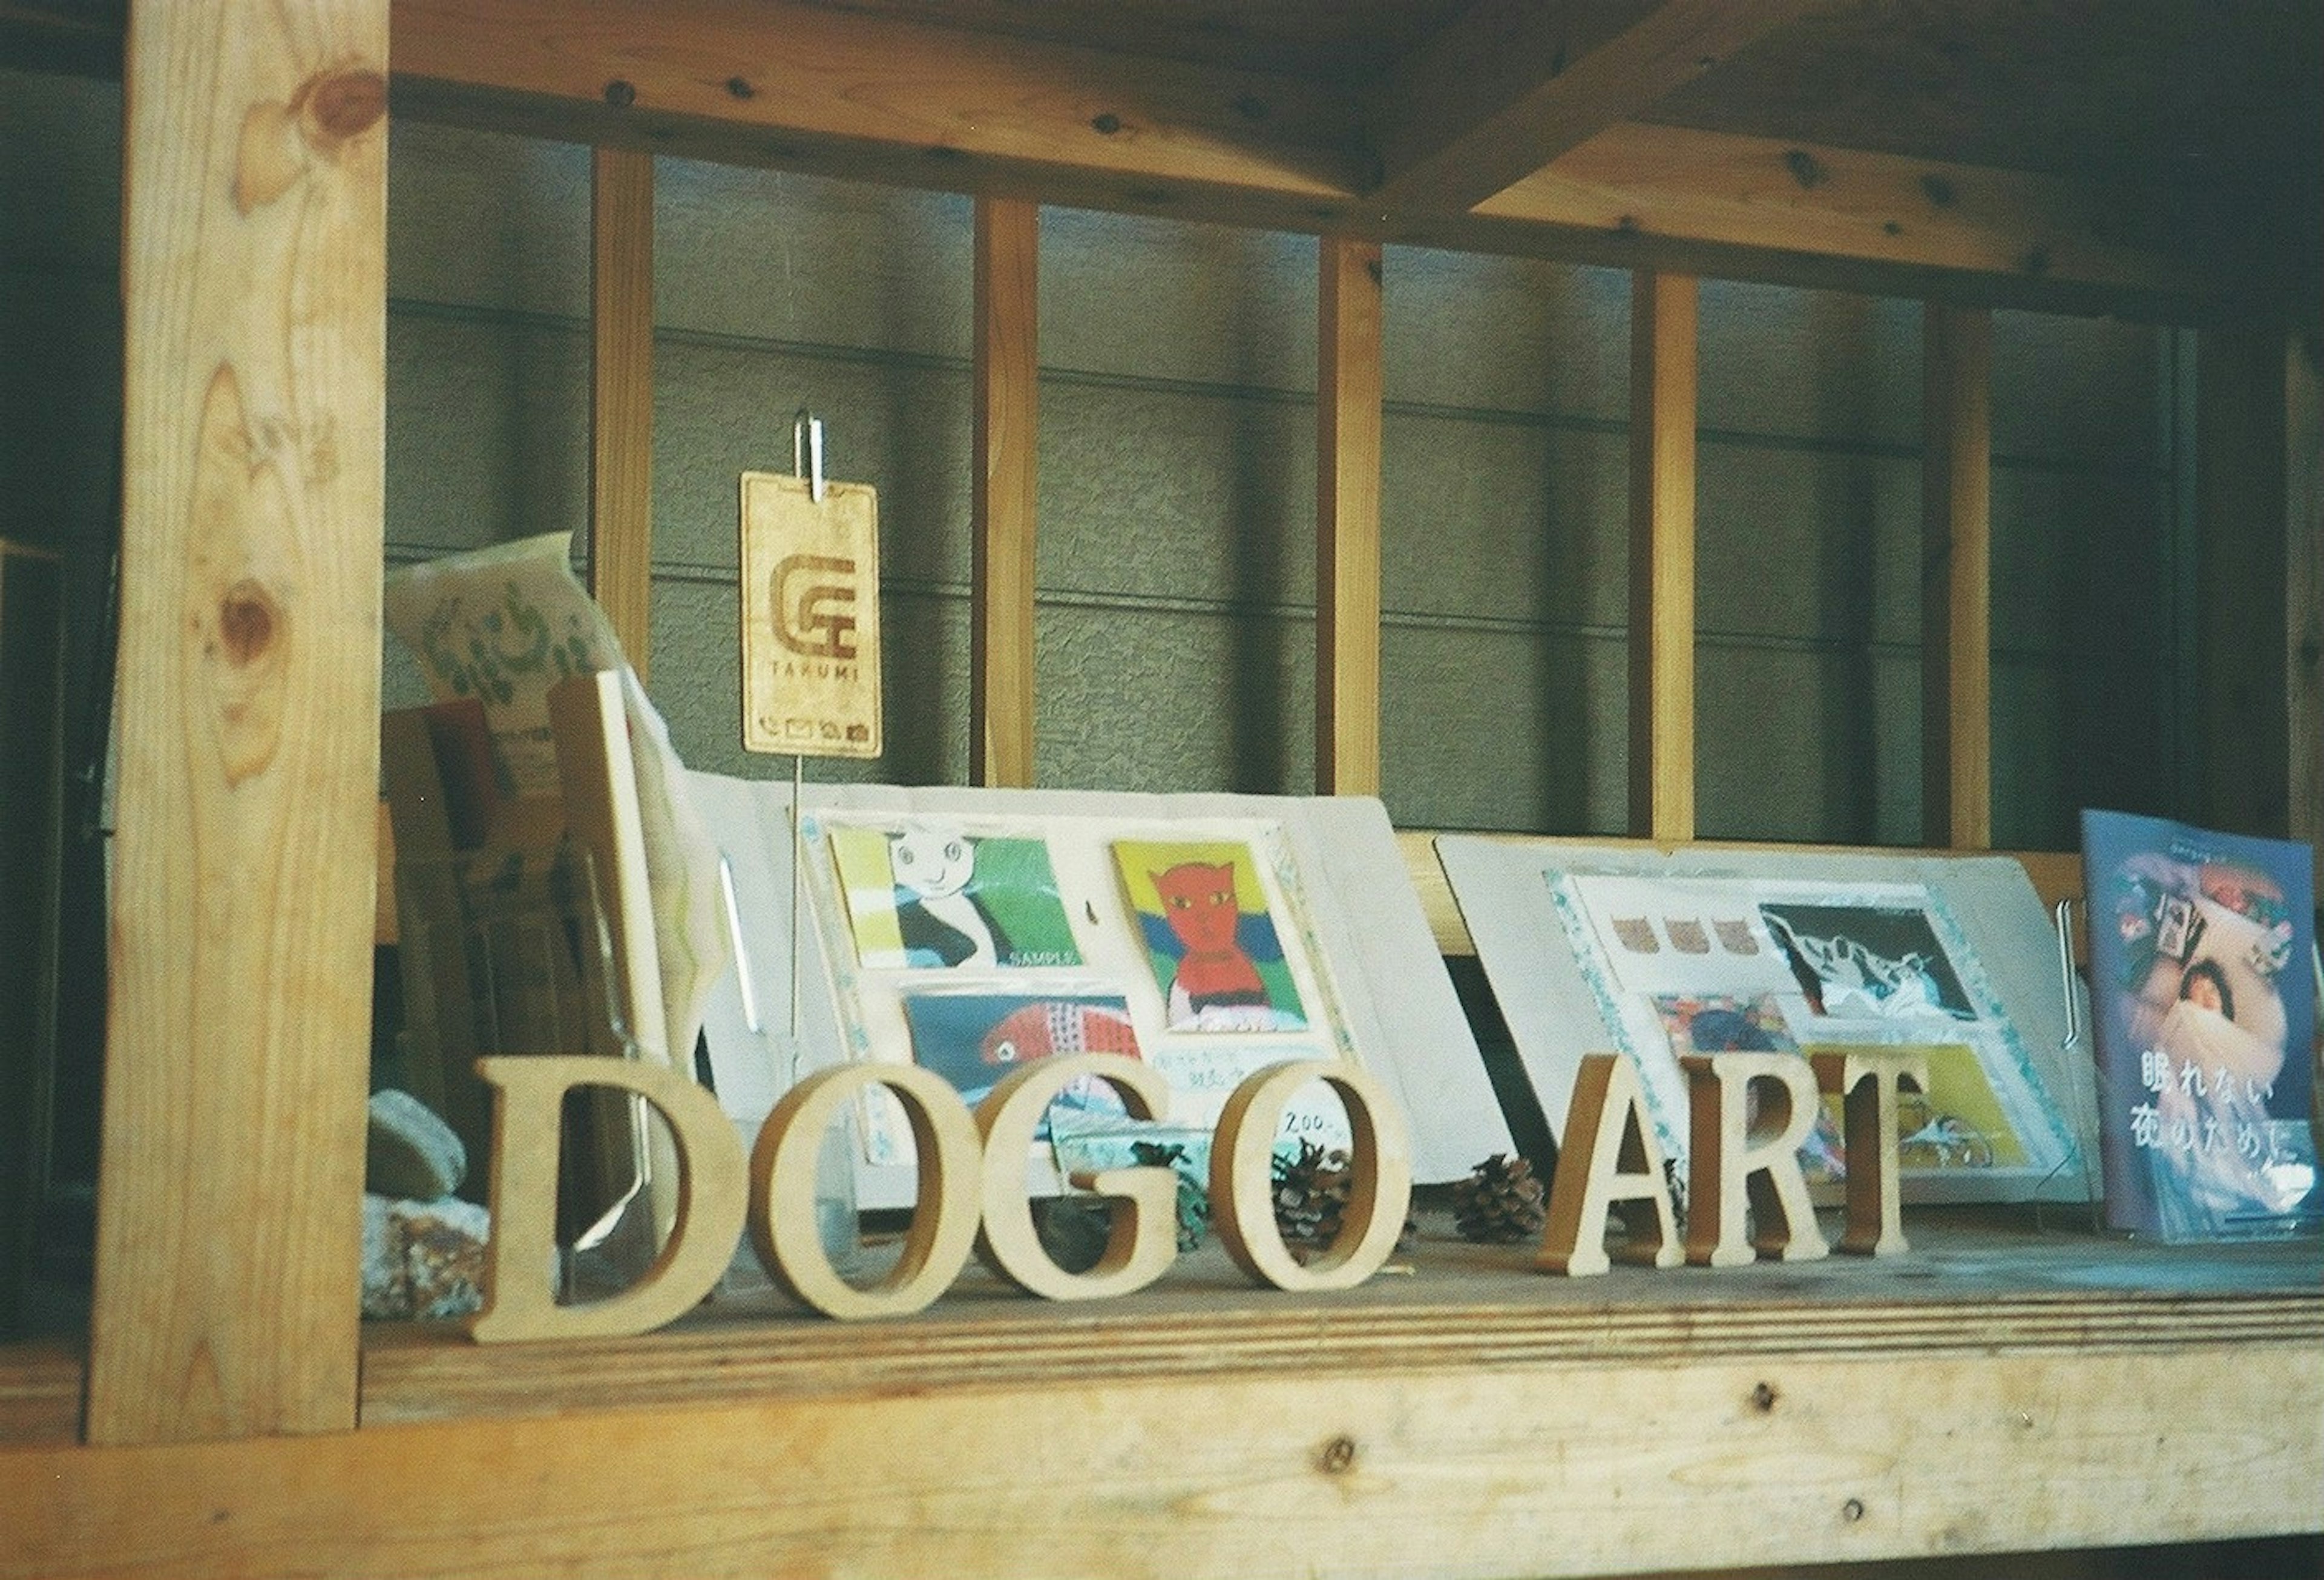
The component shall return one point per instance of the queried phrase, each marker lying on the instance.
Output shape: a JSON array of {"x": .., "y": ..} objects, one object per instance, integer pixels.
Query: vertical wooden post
[
  {"x": 1957, "y": 577},
  {"x": 620, "y": 395},
  {"x": 2241, "y": 634},
  {"x": 1007, "y": 429},
  {"x": 1663, "y": 391},
  {"x": 255, "y": 280},
  {"x": 1348, "y": 390}
]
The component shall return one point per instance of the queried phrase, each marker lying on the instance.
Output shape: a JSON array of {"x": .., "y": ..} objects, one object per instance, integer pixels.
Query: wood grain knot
[
  {"x": 247, "y": 620},
  {"x": 1852, "y": 1510},
  {"x": 1764, "y": 1397},
  {"x": 1806, "y": 168},
  {"x": 1105, "y": 124},
  {"x": 342, "y": 104},
  {"x": 1339, "y": 1455}
]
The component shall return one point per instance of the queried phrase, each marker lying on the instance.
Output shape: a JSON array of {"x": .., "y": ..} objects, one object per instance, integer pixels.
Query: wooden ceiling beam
[
  {"x": 1725, "y": 190},
  {"x": 772, "y": 82},
  {"x": 1513, "y": 84},
  {"x": 861, "y": 95}
]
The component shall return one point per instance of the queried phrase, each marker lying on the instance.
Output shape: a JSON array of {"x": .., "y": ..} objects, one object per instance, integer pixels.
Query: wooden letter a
[{"x": 1608, "y": 1155}]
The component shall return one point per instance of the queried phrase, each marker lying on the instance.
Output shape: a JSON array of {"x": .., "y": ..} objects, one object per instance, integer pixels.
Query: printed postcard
[
  {"x": 972, "y": 1039},
  {"x": 1213, "y": 946},
  {"x": 933, "y": 897}
]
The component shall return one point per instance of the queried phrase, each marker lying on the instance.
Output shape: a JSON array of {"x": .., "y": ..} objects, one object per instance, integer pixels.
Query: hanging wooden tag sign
[{"x": 810, "y": 617}]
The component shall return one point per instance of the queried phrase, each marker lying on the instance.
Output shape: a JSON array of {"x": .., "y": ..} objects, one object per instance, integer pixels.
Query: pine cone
[
  {"x": 1499, "y": 1203},
  {"x": 1311, "y": 1196}
]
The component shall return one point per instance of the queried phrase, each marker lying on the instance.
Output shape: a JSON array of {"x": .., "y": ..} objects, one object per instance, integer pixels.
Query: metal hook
[
  {"x": 2064, "y": 919},
  {"x": 2068, "y": 989},
  {"x": 807, "y": 452},
  {"x": 734, "y": 935}
]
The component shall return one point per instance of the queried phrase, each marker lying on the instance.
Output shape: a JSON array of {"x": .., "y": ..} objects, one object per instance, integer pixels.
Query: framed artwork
[
  {"x": 986, "y": 939},
  {"x": 969, "y": 931},
  {"x": 1660, "y": 955},
  {"x": 972, "y": 1039},
  {"x": 928, "y": 895},
  {"x": 1210, "y": 937}
]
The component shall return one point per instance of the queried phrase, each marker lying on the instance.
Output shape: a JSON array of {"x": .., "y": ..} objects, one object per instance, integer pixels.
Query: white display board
[
  {"x": 1606, "y": 948},
  {"x": 967, "y": 929}
]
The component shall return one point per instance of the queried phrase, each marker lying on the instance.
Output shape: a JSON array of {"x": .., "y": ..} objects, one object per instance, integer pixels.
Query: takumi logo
[
  {"x": 810, "y": 593},
  {"x": 814, "y": 605}
]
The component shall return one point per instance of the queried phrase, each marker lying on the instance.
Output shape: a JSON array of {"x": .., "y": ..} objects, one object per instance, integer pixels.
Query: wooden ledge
[
  {"x": 2003, "y": 1387},
  {"x": 1976, "y": 1280}
]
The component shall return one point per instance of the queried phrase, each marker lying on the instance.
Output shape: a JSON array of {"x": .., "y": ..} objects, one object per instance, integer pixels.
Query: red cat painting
[{"x": 1198, "y": 902}]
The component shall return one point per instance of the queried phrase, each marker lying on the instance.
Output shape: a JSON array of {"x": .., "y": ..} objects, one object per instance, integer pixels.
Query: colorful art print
[
  {"x": 935, "y": 897},
  {"x": 1869, "y": 961},
  {"x": 1212, "y": 943},
  {"x": 1681, "y": 936},
  {"x": 1958, "y": 1121},
  {"x": 2204, "y": 1000},
  {"x": 975, "y": 1038},
  {"x": 1719, "y": 1025}
]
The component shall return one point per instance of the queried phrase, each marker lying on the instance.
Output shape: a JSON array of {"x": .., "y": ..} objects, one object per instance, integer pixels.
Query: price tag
[{"x": 810, "y": 617}]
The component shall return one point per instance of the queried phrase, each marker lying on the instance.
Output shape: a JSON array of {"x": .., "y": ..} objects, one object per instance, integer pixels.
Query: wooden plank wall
[
  {"x": 1663, "y": 398},
  {"x": 254, "y": 273},
  {"x": 622, "y": 396},
  {"x": 1956, "y": 578},
  {"x": 1006, "y": 441},
  {"x": 1348, "y": 393}
]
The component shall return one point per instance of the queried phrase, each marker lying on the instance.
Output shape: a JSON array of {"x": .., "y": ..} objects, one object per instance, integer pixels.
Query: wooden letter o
[
  {"x": 1142, "y": 1240},
  {"x": 783, "y": 1219},
  {"x": 1242, "y": 1178}
]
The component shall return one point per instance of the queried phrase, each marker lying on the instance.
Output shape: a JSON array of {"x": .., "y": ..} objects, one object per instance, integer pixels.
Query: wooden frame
[
  {"x": 621, "y": 400},
  {"x": 254, "y": 268},
  {"x": 1956, "y": 578},
  {"x": 1663, "y": 378},
  {"x": 241, "y": 965},
  {"x": 1347, "y": 518},
  {"x": 1005, "y": 416}
]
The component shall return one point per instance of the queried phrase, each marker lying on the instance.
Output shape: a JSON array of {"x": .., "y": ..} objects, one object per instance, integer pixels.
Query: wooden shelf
[
  {"x": 1463, "y": 1415},
  {"x": 1976, "y": 1280}
]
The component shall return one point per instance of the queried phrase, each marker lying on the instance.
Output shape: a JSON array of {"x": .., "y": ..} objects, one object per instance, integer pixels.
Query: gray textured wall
[{"x": 1177, "y": 492}]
